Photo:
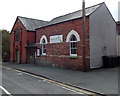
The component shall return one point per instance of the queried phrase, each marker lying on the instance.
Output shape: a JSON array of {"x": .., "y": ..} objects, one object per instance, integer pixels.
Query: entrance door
[
  {"x": 18, "y": 56},
  {"x": 31, "y": 55}
]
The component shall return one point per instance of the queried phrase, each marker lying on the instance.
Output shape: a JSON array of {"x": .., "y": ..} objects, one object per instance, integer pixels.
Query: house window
[
  {"x": 17, "y": 34},
  {"x": 73, "y": 37},
  {"x": 43, "y": 42},
  {"x": 43, "y": 47},
  {"x": 73, "y": 45}
]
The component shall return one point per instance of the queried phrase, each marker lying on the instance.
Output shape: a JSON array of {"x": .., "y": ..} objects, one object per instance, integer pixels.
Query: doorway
[{"x": 17, "y": 56}]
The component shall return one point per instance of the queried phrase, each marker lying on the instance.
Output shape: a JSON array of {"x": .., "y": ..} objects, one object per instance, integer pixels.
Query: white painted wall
[{"x": 102, "y": 36}]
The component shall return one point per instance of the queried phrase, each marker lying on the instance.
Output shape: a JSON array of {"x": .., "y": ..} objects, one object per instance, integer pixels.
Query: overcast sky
[{"x": 45, "y": 9}]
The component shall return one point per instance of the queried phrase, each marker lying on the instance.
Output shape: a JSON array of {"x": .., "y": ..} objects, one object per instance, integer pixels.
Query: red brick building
[
  {"x": 58, "y": 43},
  {"x": 22, "y": 39}
]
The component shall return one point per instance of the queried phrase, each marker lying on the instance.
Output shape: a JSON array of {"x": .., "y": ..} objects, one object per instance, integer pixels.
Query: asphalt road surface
[{"x": 20, "y": 83}]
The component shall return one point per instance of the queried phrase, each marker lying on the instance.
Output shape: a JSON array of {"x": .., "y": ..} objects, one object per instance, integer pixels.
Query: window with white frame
[
  {"x": 73, "y": 45},
  {"x": 43, "y": 47},
  {"x": 73, "y": 37},
  {"x": 43, "y": 42}
]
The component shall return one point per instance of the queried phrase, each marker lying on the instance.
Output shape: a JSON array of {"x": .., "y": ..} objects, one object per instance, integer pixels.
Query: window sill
[
  {"x": 43, "y": 55},
  {"x": 73, "y": 57}
]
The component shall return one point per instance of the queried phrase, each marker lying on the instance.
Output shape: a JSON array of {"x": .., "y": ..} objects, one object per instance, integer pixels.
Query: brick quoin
[{"x": 58, "y": 53}]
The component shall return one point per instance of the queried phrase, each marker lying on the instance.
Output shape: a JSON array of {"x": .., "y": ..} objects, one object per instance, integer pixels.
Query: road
[{"x": 20, "y": 83}]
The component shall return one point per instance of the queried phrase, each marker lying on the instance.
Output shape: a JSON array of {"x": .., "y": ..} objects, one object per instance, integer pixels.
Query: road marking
[
  {"x": 54, "y": 82},
  {"x": 8, "y": 93}
]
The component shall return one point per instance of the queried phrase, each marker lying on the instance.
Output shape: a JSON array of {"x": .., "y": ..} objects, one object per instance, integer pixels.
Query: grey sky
[
  {"x": 119, "y": 11},
  {"x": 45, "y": 9}
]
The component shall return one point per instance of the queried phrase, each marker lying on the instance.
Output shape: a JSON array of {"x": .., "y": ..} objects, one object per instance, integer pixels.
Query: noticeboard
[{"x": 56, "y": 39}]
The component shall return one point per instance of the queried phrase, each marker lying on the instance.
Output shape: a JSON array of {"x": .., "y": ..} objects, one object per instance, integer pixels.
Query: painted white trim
[
  {"x": 73, "y": 54},
  {"x": 44, "y": 54},
  {"x": 72, "y": 32},
  {"x": 43, "y": 37}
]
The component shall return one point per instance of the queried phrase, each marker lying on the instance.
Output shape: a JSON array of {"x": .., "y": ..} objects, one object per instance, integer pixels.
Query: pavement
[{"x": 104, "y": 80}]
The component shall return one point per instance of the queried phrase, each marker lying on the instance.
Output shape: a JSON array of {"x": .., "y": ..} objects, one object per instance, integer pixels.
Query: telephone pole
[{"x": 83, "y": 36}]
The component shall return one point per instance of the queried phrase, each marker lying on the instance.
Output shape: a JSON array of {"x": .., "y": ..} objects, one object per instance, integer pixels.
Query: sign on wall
[
  {"x": 56, "y": 39},
  {"x": 38, "y": 52}
]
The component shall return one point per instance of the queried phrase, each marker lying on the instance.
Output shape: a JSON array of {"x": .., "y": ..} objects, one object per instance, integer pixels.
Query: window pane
[
  {"x": 74, "y": 44},
  {"x": 71, "y": 45},
  {"x": 73, "y": 51},
  {"x": 43, "y": 46},
  {"x": 43, "y": 41},
  {"x": 44, "y": 50},
  {"x": 17, "y": 34},
  {"x": 73, "y": 38}
]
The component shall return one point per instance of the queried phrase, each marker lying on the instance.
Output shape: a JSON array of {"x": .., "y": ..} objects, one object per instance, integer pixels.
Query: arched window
[
  {"x": 43, "y": 42},
  {"x": 17, "y": 34},
  {"x": 73, "y": 37},
  {"x": 73, "y": 45},
  {"x": 43, "y": 47}
]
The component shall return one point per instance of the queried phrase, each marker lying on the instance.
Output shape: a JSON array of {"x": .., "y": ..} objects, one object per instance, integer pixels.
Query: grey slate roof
[
  {"x": 74, "y": 15},
  {"x": 31, "y": 24}
]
